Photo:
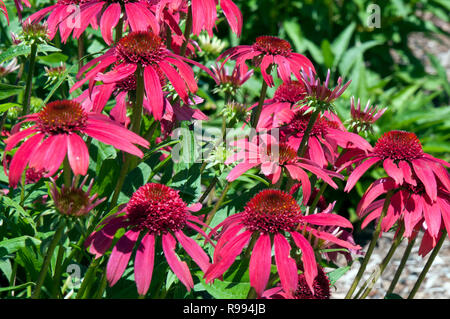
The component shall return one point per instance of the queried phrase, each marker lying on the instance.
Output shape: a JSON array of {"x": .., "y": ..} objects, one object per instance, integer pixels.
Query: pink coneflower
[
  {"x": 272, "y": 158},
  {"x": 154, "y": 211},
  {"x": 77, "y": 15},
  {"x": 271, "y": 215},
  {"x": 204, "y": 16},
  {"x": 230, "y": 82},
  {"x": 326, "y": 135},
  {"x": 4, "y": 11},
  {"x": 146, "y": 50},
  {"x": 280, "y": 109},
  {"x": 73, "y": 201},
  {"x": 319, "y": 92},
  {"x": 321, "y": 288},
  {"x": 57, "y": 131},
  {"x": 363, "y": 120},
  {"x": 266, "y": 51},
  {"x": 410, "y": 204},
  {"x": 402, "y": 156}
]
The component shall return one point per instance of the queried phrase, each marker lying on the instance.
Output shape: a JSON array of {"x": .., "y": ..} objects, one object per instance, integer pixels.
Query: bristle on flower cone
[
  {"x": 141, "y": 47},
  {"x": 398, "y": 145},
  {"x": 321, "y": 286},
  {"x": 300, "y": 121},
  {"x": 272, "y": 45},
  {"x": 157, "y": 208},
  {"x": 291, "y": 92},
  {"x": 271, "y": 211},
  {"x": 61, "y": 117}
]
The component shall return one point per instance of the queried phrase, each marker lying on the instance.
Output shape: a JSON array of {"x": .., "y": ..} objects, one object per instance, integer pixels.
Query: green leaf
[
  {"x": 19, "y": 50},
  {"x": 18, "y": 287},
  {"x": 6, "y": 106},
  {"x": 340, "y": 44},
  {"x": 10, "y": 246},
  {"x": 393, "y": 296},
  {"x": 7, "y": 90},
  {"x": 328, "y": 56},
  {"x": 334, "y": 275}
]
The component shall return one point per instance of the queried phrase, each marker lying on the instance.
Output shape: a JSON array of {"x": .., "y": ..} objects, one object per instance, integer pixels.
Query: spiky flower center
[
  {"x": 62, "y": 117},
  {"x": 281, "y": 153},
  {"x": 272, "y": 45},
  {"x": 73, "y": 202},
  {"x": 291, "y": 92},
  {"x": 398, "y": 145},
  {"x": 141, "y": 47},
  {"x": 271, "y": 211},
  {"x": 321, "y": 286},
  {"x": 157, "y": 208},
  {"x": 300, "y": 122}
]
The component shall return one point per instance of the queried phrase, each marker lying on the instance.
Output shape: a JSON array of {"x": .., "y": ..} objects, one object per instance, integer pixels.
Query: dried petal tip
[{"x": 74, "y": 201}]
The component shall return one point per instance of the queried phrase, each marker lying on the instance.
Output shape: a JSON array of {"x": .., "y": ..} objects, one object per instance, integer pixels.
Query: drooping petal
[
  {"x": 240, "y": 169},
  {"x": 109, "y": 20},
  {"x": 233, "y": 16},
  {"x": 286, "y": 266},
  {"x": 143, "y": 263},
  {"x": 426, "y": 176},
  {"x": 179, "y": 268},
  {"x": 299, "y": 174},
  {"x": 358, "y": 172},
  {"x": 308, "y": 258},
  {"x": 327, "y": 219},
  {"x": 120, "y": 256},
  {"x": 260, "y": 262},
  {"x": 50, "y": 155},
  {"x": 194, "y": 250},
  {"x": 393, "y": 170},
  {"x": 78, "y": 154},
  {"x": 154, "y": 92},
  {"x": 432, "y": 214},
  {"x": 175, "y": 79}
]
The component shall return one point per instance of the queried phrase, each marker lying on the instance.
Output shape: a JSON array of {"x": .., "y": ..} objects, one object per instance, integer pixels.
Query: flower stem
[
  {"x": 67, "y": 172},
  {"x": 187, "y": 32},
  {"x": 257, "y": 112},
  {"x": 302, "y": 148},
  {"x": 401, "y": 266},
  {"x": 29, "y": 84},
  {"x": 217, "y": 206},
  {"x": 317, "y": 198},
  {"x": 428, "y": 265},
  {"x": 386, "y": 260},
  {"x": 46, "y": 263},
  {"x": 87, "y": 278},
  {"x": 372, "y": 244},
  {"x": 119, "y": 30}
]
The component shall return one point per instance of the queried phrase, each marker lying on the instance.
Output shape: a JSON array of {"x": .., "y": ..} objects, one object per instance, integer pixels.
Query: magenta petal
[
  {"x": 260, "y": 261},
  {"x": 377, "y": 188},
  {"x": 327, "y": 219},
  {"x": 14, "y": 139},
  {"x": 358, "y": 172},
  {"x": 239, "y": 169},
  {"x": 78, "y": 154},
  {"x": 154, "y": 92},
  {"x": 120, "y": 72},
  {"x": 407, "y": 173},
  {"x": 299, "y": 174},
  {"x": 180, "y": 268},
  {"x": 109, "y": 20},
  {"x": 308, "y": 258},
  {"x": 194, "y": 250},
  {"x": 393, "y": 170},
  {"x": 104, "y": 92},
  {"x": 176, "y": 80},
  {"x": 50, "y": 155},
  {"x": 143, "y": 263},
  {"x": 120, "y": 256},
  {"x": 233, "y": 16},
  {"x": 286, "y": 266},
  {"x": 433, "y": 217},
  {"x": 21, "y": 158},
  {"x": 328, "y": 237},
  {"x": 232, "y": 250},
  {"x": 426, "y": 176}
]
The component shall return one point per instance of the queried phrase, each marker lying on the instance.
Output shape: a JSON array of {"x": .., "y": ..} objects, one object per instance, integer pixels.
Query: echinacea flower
[
  {"x": 403, "y": 159},
  {"x": 72, "y": 200},
  {"x": 363, "y": 120},
  {"x": 204, "y": 16},
  {"x": 280, "y": 109},
  {"x": 57, "y": 132},
  {"x": 147, "y": 50},
  {"x": 326, "y": 135},
  {"x": 271, "y": 218},
  {"x": 156, "y": 212},
  {"x": 77, "y": 15},
  {"x": 272, "y": 158},
  {"x": 409, "y": 204},
  {"x": 267, "y": 51},
  {"x": 321, "y": 288},
  {"x": 319, "y": 95},
  {"x": 228, "y": 82}
]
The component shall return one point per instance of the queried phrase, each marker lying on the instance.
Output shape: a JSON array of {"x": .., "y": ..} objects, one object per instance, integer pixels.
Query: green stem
[
  {"x": 29, "y": 84},
  {"x": 58, "y": 271},
  {"x": 372, "y": 244},
  {"x": 386, "y": 260},
  {"x": 102, "y": 286},
  {"x": 401, "y": 266},
  {"x": 87, "y": 278},
  {"x": 80, "y": 51},
  {"x": 428, "y": 265},
  {"x": 257, "y": 112},
  {"x": 67, "y": 172},
  {"x": 119, "y": 30},
  {"x": 302, "y": 148},
  {"x": 317, "y": 198},
  {"x": 46, "y": 263},
  {"x": 217, "y": 206},
  {"x": 187, "y": 32},
  {"x": 208, "y": 190}
]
